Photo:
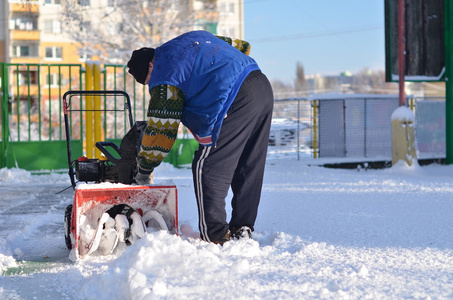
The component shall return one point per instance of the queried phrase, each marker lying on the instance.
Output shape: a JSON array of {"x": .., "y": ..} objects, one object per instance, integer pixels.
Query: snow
[
  {"x": 396, "y": 77},
  {"x": 403, "y": 114},
  {"x": 321, "y": 234}
]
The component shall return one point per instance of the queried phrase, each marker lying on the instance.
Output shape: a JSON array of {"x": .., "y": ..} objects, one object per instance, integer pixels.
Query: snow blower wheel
[{"x": 67, "y": 226}]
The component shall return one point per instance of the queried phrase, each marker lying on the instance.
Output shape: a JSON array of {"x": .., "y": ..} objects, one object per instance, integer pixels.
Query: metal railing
[
  {"x": 352, "y": 126},
  {"x": 33, "y": 136},
  {"x": 30, "y": 93},
  {"x": 32, "y": 123},
  {"x": 292, "y": 131},
  {"x": 31, "y": 120},
  {"x": 430, "y": 120}
]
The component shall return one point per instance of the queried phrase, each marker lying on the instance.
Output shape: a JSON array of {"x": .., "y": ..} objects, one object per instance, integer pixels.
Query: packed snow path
[{"x": 321, "y": 234}]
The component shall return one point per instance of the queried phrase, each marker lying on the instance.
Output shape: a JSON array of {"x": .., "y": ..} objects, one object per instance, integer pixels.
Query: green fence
[{"x": 32, "y": 123}]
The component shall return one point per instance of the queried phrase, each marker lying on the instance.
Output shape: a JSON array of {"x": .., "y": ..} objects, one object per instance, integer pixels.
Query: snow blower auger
[{"x": 109, "y": 209}]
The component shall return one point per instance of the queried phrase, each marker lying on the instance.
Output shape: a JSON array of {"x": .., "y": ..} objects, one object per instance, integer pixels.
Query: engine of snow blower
[{"x": 118, "y": 167}]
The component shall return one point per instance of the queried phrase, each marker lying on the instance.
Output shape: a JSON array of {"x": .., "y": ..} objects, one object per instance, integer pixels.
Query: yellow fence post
[
  {"x": 315, "y": 129},
  {"x": 403, "y": 136},
  {"x": 89, "y": 109},
  {"x": 97, "y": 107}
]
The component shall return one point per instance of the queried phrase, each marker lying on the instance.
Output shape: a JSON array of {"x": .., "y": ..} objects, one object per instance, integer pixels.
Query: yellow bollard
[
  {"x": 315, "y": 129},
  {"x": 97, "y": 107},
  {"x": 89, "y": 106},
  {"x": 403, "y": 136}
]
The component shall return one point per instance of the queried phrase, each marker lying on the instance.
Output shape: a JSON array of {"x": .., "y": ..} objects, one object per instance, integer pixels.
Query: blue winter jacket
[{"x": 209, "y": 71}]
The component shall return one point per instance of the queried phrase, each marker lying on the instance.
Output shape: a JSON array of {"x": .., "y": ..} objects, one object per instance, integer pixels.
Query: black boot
[{"x": 243, "y": 232}]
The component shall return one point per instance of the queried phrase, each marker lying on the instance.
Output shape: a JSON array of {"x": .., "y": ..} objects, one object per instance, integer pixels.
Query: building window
[
  {"x": 24, "y": 50},
  {"x": 52, "y": 79},
  {"x": 54, "y": 53},
  {"x": 52, "y": 26},
  {"x": 84, "y": 26},
  {"x": 84, "y": 55},
  {"x": 84, "y": 2},
  {"x": 226, "y": 7},
  {"x": 27, "y": 77},
  {"x": 52, "y": 2}
]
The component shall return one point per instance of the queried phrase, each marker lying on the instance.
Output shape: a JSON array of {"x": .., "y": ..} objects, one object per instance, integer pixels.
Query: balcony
[
  {"x": 25, "y": 35},
  {"x": 25, "y": 6},
  {"x": 26, "y": 60}
]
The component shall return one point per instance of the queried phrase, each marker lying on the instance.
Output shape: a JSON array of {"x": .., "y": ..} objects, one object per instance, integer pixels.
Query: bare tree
[
  {"x": 111, "y": 32},
  {"x": 301, "y": 83},
  {"x": 368, "y": 81}
]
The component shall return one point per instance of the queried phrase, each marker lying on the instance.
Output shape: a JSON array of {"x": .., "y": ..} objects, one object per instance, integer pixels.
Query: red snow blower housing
[{"x": 109, "y": 209}]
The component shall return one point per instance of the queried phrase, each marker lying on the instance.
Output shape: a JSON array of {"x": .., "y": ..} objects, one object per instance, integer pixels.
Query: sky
[{"x": 326, "y": 36}]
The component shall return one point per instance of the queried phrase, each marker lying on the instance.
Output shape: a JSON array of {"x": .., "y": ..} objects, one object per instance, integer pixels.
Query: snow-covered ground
[{"x": 321, "y": 234}]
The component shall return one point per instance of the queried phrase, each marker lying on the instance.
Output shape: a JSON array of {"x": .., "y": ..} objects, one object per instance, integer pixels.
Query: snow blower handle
[{"x": 102, "y": 147}]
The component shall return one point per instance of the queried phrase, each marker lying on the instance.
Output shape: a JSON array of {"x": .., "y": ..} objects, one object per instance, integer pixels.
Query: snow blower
[{"x": 109, "y": 209}]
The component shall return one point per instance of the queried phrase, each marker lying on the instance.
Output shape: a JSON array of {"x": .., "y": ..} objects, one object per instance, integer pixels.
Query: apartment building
[
  {"x": 32, "y": 31},
  {"x": 40, "y": 48}
]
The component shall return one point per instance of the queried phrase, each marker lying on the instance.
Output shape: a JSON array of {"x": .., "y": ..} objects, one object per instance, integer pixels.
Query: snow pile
[
  {"x": 166, "y": 265},
  {"x": 7, "y": 262},
  {"x": 161, "y": 265},
  {"x": 14, "y": 175},
  {"x": 6, "y": 258},
  {"x": 403, "y": 114}
]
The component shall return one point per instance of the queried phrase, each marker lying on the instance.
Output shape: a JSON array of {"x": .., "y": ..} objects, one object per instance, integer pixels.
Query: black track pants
[{"x": 237, "y": 161}]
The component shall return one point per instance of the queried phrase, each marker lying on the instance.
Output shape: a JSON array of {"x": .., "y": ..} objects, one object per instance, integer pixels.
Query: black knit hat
[{"x": 139, "y": 63}]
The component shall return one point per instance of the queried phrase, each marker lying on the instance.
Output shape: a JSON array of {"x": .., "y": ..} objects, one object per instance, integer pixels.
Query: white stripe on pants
[{"x": 198, "y": 180}]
